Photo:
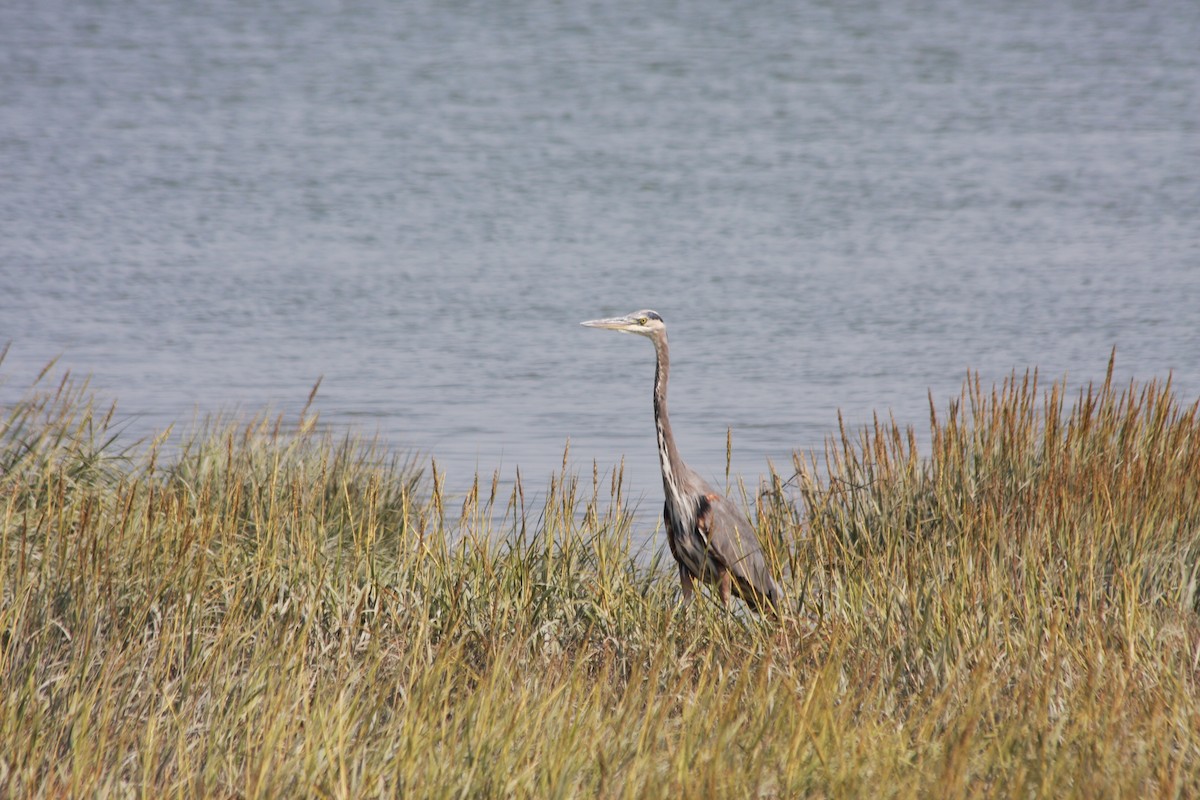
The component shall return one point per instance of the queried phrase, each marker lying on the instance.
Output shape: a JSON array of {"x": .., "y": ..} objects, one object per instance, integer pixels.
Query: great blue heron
[{"x": 709, "y": 536}]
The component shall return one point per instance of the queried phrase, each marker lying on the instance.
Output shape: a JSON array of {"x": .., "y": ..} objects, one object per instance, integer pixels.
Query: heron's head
[{"x": 644, "y": 323}]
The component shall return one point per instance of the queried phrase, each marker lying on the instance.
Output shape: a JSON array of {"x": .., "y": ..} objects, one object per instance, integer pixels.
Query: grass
[{"x": 268, "y": 611}]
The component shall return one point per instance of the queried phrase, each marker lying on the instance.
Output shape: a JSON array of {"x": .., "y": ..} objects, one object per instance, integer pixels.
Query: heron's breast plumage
[{"x": 687, "y": 538}]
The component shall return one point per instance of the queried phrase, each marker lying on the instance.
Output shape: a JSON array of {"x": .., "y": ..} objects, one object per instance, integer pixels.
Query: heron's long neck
[{"x": 668, "y": 456}]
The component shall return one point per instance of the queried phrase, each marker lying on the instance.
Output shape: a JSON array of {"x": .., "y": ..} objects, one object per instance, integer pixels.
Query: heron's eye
[{"x": 642, "y": 320}]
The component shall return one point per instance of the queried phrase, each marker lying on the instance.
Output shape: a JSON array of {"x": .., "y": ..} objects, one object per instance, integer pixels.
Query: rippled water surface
[{"x": 207, "y": 207}]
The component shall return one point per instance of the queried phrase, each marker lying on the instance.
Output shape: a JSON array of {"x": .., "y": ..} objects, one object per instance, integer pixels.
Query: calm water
[{"x": 833, "y": 205}]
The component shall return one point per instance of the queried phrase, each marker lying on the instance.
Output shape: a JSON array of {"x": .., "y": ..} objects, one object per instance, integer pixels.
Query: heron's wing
[{"x": 732, "y": 539}]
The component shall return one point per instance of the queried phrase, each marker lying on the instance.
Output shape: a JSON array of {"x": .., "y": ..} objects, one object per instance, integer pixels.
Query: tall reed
[{"x": 262, "y": 609}]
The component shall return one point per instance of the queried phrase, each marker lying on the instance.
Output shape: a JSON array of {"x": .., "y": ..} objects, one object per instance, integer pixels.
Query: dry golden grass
[{"x": 274, "y": 613}]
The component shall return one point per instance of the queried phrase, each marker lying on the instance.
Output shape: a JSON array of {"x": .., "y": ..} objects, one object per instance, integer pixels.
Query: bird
[{"x": 709, "y": 536}]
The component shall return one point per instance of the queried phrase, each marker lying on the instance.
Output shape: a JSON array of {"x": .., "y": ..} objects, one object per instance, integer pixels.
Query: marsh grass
[{"x": 267, "y": 611}]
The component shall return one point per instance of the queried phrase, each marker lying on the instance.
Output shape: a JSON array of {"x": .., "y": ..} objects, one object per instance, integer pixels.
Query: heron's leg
[
  {"x": 687, "y": 581},
  {"x": 723, "y": 581}
]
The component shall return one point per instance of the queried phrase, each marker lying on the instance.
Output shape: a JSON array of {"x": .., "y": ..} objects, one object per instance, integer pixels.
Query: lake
[{"x": 834, "y": 206}]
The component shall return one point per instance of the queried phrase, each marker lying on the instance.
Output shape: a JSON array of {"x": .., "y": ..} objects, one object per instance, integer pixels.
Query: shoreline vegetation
[{"x": 270, "y": 611}]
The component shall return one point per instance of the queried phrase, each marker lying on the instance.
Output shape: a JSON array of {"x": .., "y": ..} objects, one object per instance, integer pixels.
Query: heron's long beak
[{"x": 612, "y": 323}]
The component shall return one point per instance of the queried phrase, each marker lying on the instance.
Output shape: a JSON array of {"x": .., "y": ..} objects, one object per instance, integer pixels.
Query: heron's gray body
[{"x": 709, "y": 536}]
